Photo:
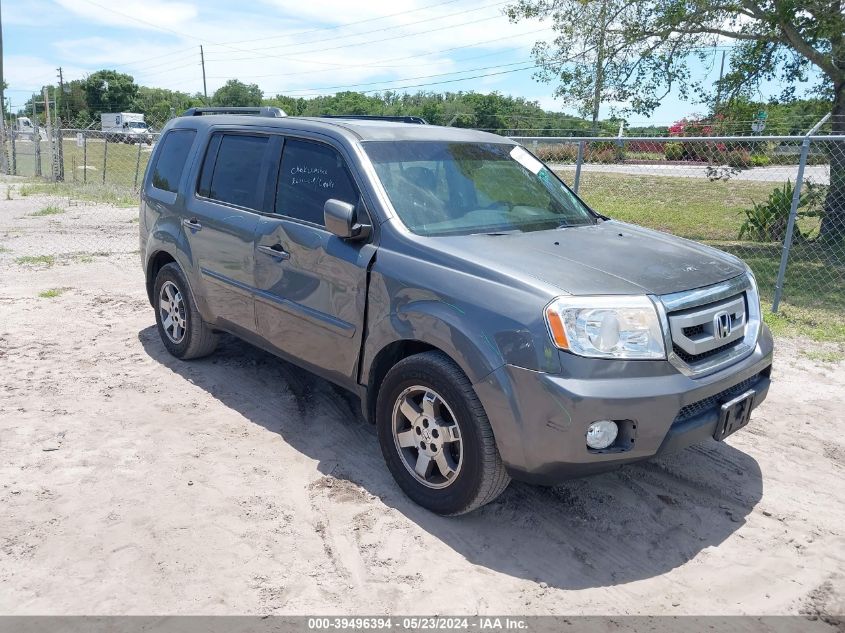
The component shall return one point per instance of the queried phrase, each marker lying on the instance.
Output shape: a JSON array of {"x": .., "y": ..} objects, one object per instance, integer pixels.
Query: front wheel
[{"x": 436, "y": 438}]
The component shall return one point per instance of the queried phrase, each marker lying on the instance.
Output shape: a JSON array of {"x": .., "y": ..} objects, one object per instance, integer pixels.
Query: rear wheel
[
  {"x": 182, "y": 330},
  {"x": 436, "y": 438}
]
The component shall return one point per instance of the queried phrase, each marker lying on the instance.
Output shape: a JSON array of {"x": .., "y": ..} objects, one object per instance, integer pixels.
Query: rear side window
[
  {"x": 310, "y": 174},
  {"x": 171, "y": 159},
  {"x": 232, "y": 169}
]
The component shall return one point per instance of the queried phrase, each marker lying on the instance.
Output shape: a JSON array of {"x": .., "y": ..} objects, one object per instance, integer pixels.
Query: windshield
[{"x": 441, "y": 188}]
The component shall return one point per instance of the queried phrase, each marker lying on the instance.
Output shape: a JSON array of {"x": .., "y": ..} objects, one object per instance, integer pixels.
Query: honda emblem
[{"x": 722, "y": 325}]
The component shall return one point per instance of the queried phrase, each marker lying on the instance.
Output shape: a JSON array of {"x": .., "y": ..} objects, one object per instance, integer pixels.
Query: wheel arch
[
  {"x": 383, "y": 361},
  {"x": 156, "y": 262}
]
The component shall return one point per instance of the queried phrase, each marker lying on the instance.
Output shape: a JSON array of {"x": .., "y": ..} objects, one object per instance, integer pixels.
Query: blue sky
[{"x": 289, "y": 46}]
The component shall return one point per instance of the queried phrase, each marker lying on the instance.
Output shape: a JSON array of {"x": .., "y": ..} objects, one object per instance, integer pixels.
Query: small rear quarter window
[{"x": 171, "y": 158}]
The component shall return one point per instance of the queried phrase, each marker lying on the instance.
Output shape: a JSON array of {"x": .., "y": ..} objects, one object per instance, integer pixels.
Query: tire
[
  {"x": 194, "y": 339},
  {"x": 414, "y": 389}
]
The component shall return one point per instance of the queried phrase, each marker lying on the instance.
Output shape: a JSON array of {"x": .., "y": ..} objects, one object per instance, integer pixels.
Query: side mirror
[{"x": 340, "y": 219}]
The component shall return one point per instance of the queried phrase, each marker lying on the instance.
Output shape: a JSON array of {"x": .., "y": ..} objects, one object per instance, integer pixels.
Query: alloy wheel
[
  {"x": 174, "y": 317},
  {"x": 427, "y": 436}
]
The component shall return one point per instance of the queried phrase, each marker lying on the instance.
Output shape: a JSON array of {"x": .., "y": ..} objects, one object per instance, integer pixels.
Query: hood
[{"x": 608, "y": 258}]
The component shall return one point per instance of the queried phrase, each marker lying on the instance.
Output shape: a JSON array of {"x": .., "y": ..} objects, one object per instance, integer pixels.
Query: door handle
[
  {"x": 192, "y": 224},
  {"x": 277, "y": 251}
]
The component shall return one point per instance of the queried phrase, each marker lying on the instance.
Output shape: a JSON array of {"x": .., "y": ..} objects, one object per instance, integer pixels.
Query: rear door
[
  {"x": 220, "y": 223},
  {"x": 311, "y": 285}
]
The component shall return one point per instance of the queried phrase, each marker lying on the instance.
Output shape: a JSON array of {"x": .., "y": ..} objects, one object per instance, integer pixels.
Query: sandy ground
[{"x": 133, "y": 483}]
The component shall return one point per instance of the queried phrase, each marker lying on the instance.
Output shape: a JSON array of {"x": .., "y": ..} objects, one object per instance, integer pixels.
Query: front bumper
[{"x": 540, "y": 420}]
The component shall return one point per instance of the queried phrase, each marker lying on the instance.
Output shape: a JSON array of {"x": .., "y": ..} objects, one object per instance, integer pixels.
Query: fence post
[
  {"x": 4, "y": 157},
  {"x": 14, "y": 154},
  {"x": 85, "y": 157},
  {"x": 36, "y": 140},
  {"x": 105, "y": 157},
  {"x": 51, "y": 148},
  {"x": 790, "y": 227},
  {"x": 60, "y": 151},
  {"x": 578, "y": 161},
  {"x": 137, "y": 164}
]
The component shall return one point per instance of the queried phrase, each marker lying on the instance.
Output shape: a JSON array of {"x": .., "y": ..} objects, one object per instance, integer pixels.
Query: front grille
[
  {"x": 695, "y": 329},
  {"x": 709, "y": 329},
  {"x": 694, "y": 358},
  {"x": 696, "y": 408}
]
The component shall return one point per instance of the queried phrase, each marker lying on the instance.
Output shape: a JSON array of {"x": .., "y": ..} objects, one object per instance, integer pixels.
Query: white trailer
[
  {"x": 24, "y": 129},
  {"x": 126, "y": 127}
]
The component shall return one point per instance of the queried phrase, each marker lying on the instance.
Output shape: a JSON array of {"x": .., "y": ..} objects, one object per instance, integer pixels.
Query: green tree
[
  {"x": 109, "y": 91},
  {"x": 292, "y": 106},
  {"x": 160, "y": 104},
  {"x": 72, "y": 104},
  {"x": 235, "y": 93},
  {"x": 650, "y": 44},
  {"x": 790, "y": 118}
]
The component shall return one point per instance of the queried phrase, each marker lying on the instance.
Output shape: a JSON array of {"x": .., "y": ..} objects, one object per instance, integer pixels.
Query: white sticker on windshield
[{"x": 526, "y": 160}]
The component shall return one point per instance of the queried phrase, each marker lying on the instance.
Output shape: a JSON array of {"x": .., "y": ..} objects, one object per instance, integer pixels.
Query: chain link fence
[
  {"x": 84, "y": 155},
  {"x": 777, "y": 202}
]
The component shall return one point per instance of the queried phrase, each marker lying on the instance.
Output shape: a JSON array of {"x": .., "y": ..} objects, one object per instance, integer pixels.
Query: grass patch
[
  {"x": 692, "y": 207},
  {"x": 51, "y": 293},
  {"x": 88, "y": 257},
  {"x": 4, "y": 249},
  {"x": 36, "y": 260},
  {"x": 824, "y": 355},
  {"x": 105, "y": 194},
  {"x": 48, "y": 210},
  {"x": 817, "y": 324}
]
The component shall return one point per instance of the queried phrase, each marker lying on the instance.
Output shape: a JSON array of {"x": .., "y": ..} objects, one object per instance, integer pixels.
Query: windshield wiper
[{"x": 508, "y": 232}]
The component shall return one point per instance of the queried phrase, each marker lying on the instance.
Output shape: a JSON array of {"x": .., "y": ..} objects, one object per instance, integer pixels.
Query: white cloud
[
  {"x": 266, "y": 43},
  {"x": 25, "y": 74}
]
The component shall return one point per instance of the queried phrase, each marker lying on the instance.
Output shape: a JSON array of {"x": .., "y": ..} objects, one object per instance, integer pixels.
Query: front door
[
  {"x": 220, "y": 224},
  {"x": 310, "y": 284}
]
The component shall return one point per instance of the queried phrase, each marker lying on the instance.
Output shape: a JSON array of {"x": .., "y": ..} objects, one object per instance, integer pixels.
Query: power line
[
  {"x": 148, "y": 59},
  {"x": 167, "y": 63},
  {"x": 386, "y": 39},
  {"x": 224, "y": 44},
  {"x": 382, "y": 29},
  {"x": 373, "y": 83},
  {"x": 169, "y": 70},
  {"x": 434, "y": 83},
  {"x": 158, "y": 27},
  {"x": 377, "y": 63},
  {"x": 340, "y": 26}
]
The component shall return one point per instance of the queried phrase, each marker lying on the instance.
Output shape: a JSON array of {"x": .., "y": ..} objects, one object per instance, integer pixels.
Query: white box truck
[{"x": 125, "y": 127}]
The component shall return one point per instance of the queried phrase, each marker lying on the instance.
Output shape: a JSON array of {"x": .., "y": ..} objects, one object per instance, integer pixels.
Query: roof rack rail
[
  {"x": 377, "y": 117},
  {"x": 267, "y": 111}
]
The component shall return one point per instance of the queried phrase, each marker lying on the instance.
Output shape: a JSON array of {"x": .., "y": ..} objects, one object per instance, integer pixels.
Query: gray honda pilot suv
[{"x": 492, "y": 324}]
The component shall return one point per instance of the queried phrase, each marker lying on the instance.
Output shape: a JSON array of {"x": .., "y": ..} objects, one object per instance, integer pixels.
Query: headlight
[
  {"x": 606, "y": 327},
  {"x": 754, "y": 293}
]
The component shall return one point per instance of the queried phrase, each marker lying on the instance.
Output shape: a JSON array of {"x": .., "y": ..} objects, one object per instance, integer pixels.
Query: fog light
[{"x": 601, "y": 434}]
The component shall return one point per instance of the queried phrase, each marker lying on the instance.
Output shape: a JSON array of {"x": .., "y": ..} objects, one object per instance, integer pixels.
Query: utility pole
[
  {"x": 62, "y": 93},
  {"x": 4, "y": 159},
  {"x": 598, "y": 79},
  {"x": 204, "y": 89},
  {"x": 49, "y": 124},
  {"x": 719, "y": 85}
]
